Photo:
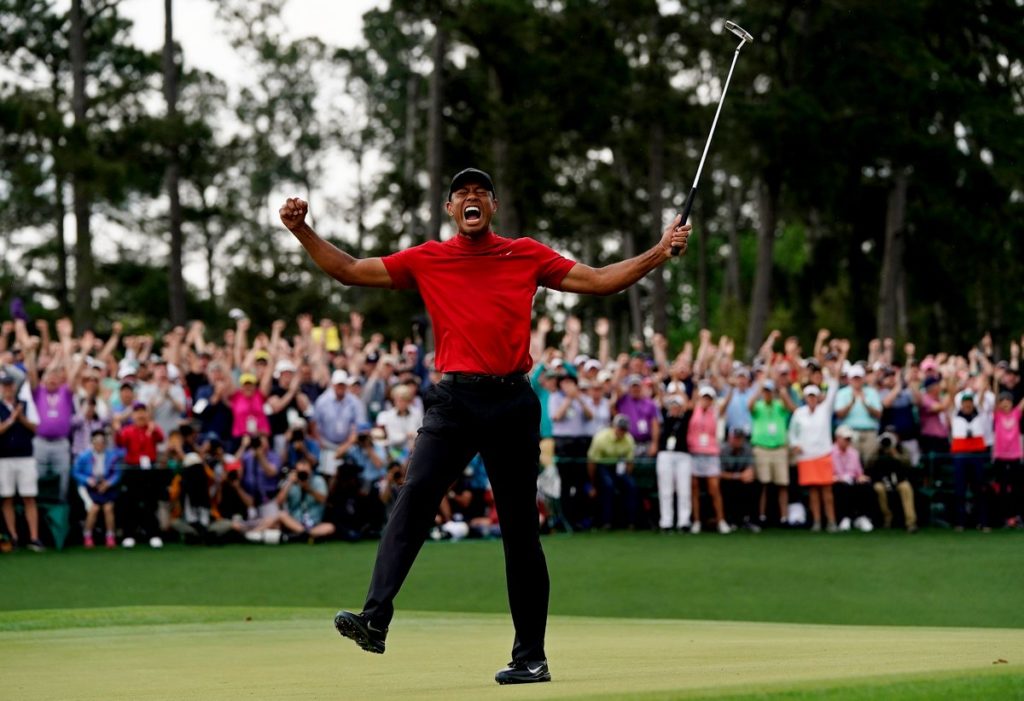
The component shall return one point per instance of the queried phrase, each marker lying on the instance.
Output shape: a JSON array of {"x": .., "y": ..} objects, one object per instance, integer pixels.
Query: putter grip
[{"x": 687, "y": 206}]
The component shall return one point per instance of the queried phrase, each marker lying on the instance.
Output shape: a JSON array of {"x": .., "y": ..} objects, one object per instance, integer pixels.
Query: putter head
[{"x": 739, "y": 31}]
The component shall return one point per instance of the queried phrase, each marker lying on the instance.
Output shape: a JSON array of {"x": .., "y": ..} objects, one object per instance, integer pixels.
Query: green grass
[
  {"x": 932, "y": 578},
  {"x": 783, "y": 616},
  {"x": 290, "y": 654}
]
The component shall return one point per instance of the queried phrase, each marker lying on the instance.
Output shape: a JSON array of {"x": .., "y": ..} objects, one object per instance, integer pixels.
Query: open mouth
[{"x": 471, "y": 214}]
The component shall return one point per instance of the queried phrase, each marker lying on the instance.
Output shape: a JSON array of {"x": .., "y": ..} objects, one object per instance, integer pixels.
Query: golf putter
[{"x": 745, "y": 37}]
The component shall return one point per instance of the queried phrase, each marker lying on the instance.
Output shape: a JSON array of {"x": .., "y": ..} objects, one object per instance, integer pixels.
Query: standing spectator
[
  {"x": 852, "y": 488},
  {"x": 98, "y": 472},
  {"x": 165, "y": 399},
  {"x": 889, "y": 471},
  {"x": 18, "y": 475},
  {"x": 898, "y": 411},
  {"x": 810, "y": 439},
  {"x": 673, "y": 466},
  {"x": 1007, "y": 459},
  {"x": 610, "y": 468},
  {"x": 51, "y": 446},
  {"x": 737, "y": 411},
  {"x": 83, "y": 425},
  {"x": 211, "y": 404},
  {"x": 247, "y": 409},
  {"x": 337, "y": 414},
  {"x": 569, "y": 416},
  {"x": 769, "y": 416},
  {"x": 401, "y": 421},
  {"x": 286, "y": 401},
  {"x": 702, "y": 442},
  {"x": 969, "y": 459},
  {"x": 739, "y": 485},
  {"x": 859, "y": 407},
  {"x": 643, "y": 414},
  {"x": 144, "y": 486},
  {"x": 932, "y": 409}
]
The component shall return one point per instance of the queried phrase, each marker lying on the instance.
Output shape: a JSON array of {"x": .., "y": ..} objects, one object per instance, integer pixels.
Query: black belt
[{"x": 469, "y": 378}]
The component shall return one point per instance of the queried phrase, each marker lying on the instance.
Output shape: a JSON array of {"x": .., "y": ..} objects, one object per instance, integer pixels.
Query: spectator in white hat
[
  {"x": 702, "y": 442},
  {"x": 852, "y": 487},
  {"x": 770, "y": 411},
  {"x": 859, "y": 407},
  {"x": 337, "y": 413}
]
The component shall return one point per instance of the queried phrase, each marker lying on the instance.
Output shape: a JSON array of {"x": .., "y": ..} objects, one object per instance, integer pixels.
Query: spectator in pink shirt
[
  {"x": 852, "y": 488},
  {"x": 247, "y": 407},
  {"x": 1007, "y": 456},
  {"x": 702, "y": 441}
]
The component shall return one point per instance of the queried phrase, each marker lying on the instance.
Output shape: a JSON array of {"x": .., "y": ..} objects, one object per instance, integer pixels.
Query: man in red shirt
[
  {"x": 143, "y": 487},
  {"x": 478, "y": 288}
]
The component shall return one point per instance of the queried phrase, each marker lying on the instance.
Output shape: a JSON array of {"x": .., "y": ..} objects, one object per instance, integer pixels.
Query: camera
[
  {"x": 888, "y": 440},
  {"x": 302, "y": 475},
  {"x": 232, "y": 475}
]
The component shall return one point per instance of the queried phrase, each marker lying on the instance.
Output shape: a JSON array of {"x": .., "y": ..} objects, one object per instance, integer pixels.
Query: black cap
[
  {"x": 6, "y": 379},
  {"x": 470, "y": 175}
]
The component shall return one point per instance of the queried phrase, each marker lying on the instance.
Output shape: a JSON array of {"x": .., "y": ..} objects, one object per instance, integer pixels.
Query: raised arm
[
  {"x": 365, "y": 272},
  {"x": 618, "y": 276}
]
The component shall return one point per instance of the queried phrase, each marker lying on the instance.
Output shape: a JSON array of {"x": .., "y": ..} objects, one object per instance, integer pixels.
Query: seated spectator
[
  {"x": 1007, "y": 459},
  {"x": 98, "y": 472},
  {"x": 143, "y": 488},
  {"x": 889, "y": 471},
  {"x": 401, "y": 421},
  {"x": 192, "y": 494},
  {"x": 300, "y": 501},
  {"x": 701, "y": 438},
  {"x": 852, "y": 488},
  {"x": 467, "y": 505},
  {"x": 18, "y": 476},
  {"x": 739, "y": 486},
  {"x": 673, "y": 467},
  {"x": 610, "y": 468},
  {"x": 371, "y": 459},
  {"x": 969, "y": 460},
  {"x": 299, "y": 444},
  {"x": 234, "y": 508}
]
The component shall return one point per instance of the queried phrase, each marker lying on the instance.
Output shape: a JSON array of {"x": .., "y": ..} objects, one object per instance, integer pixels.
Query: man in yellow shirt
[{"x": 610, "y": 466}]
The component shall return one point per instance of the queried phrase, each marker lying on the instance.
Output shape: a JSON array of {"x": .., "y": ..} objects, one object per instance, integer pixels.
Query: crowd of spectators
[{"x": 264, "y": 437}]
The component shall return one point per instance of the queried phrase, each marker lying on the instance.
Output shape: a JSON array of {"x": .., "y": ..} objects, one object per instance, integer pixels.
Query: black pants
[
  {"x": 1009, "y": 480},
  {"x": 501, "y": 422},
  {"x": 740, "y": 500},
  {"x": 571, "y": 454},
  {"x": 853, "y": 500}
]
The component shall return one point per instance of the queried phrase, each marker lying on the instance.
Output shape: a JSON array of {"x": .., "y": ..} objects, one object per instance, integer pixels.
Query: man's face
[
  {"x": 636, "y": 390},
  {"x": 742, "y": 380},
  {"x": 51, "y": 380},
  {"x": 99, "y": 443},
  {"x": 472, "y": 207},
  {"x": 339, "y": 390},
  {"x": 140, "y": 417},
  {"x": 7, "y": 391}
]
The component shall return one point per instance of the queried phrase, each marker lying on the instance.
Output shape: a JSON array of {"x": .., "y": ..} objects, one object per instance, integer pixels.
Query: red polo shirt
[{"x": 479, "y": 294}]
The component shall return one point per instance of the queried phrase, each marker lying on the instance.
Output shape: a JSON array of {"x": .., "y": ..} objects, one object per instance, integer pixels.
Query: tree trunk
[
  {"x": 892, "y": 257},
  {"x": 85, "y": 265},
  {"x": 733, "y": 292},
  {"x": 175, "y": 276},
  {"x": 767, "y": 201},
  {"x": 209, "y": 244},
  {"x": 655, "y": 183},
  {"x": 508, "y": 213},
  {"x": 435, "y": 127},
  {"x": 60, "y": 211},
  {"x": 409, "y": 156}
]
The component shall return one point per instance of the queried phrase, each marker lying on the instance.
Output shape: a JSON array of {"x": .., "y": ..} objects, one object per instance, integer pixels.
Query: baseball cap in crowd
[
  {"x": 247, "y": 378},
  {"x": 471, "y": 175},
  {"x": 673, "y": 400},
  {"x": 604, "y": 376},
  {"x": 966, "y": 396},
  {"x": 855, "y": 371},
  {"x": 1003, "y": 396},
  {"x": 634, "y": 380},
  {"x": 812, "y": 390},
  {"x": 126, "y": 370},
  {"x": 929, "y": 381},
  {"x": 568, "y": 376},
  {"x": 210, "y": 437},
  {"x": 621, "y": 421},
  {"x": 191, "y": 460},
  {"x": 6, "y": 379},
  {"x": 768, "y": 385},
  {"x": 580, "y": 359},
  {"x": 738, "y": 432},
  {"x": 372, "y": 357},
  {"x": 929, "y": 365},
  {"x": 138, "y": 405},
  {"x": 812, "y": 364},
  {"x": 707, "y": 391},
  {"x": 592, "y": 364},
  {"x": 339, "y": 377},
  {"x": 364, "y": 427},
  {"x": 262, "y": 355},
  {"x": 284, "y": 366},
  {"x": 844, "y": 432}
]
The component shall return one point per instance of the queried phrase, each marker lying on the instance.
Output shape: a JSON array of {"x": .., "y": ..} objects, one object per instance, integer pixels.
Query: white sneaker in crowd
[
  {"x": 724, "y": 528},
  {"x": 695, "y": 528},
  {"x": 863, "y": 524},
  {"x": 128, "y": 543},
  {"x": 156, "y": 542},
  {"x": 844, "y": 525}
]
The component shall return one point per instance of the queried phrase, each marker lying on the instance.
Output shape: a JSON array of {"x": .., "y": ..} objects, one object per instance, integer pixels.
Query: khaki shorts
[{"x": 772, "y": 465}]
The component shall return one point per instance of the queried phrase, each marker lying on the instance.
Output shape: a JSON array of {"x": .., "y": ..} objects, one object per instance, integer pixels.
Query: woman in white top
[{"x": 810, "y": 438}]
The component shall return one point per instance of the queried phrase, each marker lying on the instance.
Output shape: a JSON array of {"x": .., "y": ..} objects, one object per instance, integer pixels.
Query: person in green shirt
[
  {"x": 770, "y": 411},
  {"x": 610, "y": 467}
]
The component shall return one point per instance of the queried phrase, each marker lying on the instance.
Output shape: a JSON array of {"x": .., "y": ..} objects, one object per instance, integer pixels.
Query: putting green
[{"x": 295, "y": 653}]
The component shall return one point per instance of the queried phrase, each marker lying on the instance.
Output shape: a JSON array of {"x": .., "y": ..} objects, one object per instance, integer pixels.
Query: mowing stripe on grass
[{"x": 294, "y": 654}]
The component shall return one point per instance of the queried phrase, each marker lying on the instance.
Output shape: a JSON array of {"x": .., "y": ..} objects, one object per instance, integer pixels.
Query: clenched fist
[{"x": 293, "y": 212}]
